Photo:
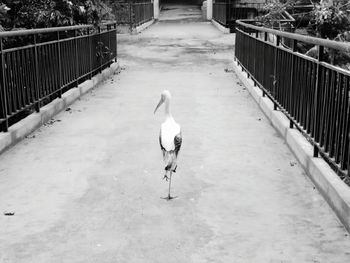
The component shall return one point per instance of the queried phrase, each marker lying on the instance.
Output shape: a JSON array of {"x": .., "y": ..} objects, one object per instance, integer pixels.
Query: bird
[{"x": 170, "y": 139}]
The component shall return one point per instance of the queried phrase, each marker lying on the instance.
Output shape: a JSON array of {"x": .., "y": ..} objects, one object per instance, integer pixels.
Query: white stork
[{"x": 170, "y": 139}]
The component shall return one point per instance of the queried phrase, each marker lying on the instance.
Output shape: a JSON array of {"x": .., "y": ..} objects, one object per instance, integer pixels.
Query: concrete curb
[
  {"x": 220, "y": 27},
  {"x": 142, "y": 27},
  {"x": 29, "y": 124},
  {"x": 331, "y": 187}
]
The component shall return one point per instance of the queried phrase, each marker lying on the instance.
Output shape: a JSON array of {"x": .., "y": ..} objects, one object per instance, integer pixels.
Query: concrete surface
[
  {"x": 223, "y": 29},
  {"x": 87, "y": 186},
  {"x": 181, "y": 14},
  {"x": 29, "y": 124},
  {"x": 142, "y": 27},
  {"x": 332, "y": 188}
]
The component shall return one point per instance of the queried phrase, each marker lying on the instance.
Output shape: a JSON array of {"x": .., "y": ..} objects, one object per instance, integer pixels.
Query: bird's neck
[{"x": 167, "y": 110}]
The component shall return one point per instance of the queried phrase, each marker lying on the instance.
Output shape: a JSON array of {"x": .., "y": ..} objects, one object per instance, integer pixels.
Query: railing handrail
[
  {"x": 306, "y": 39},
  {"x": 47, "y": 30}
]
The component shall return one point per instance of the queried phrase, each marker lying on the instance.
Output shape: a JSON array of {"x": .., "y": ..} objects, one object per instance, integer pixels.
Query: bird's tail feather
[{"x": 170, "y": 161}]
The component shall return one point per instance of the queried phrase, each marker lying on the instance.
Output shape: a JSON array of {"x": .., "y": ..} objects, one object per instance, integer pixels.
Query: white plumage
[{"x": 169, "y": 130}]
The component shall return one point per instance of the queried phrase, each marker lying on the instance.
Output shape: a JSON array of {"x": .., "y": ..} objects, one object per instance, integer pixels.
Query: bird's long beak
[{"x": 159, "y": 103}]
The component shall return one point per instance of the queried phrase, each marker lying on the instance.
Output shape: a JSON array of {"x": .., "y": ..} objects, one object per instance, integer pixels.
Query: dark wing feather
[
  {"x": 160, "y": 142},
  {"x": 177, "y": 143}
]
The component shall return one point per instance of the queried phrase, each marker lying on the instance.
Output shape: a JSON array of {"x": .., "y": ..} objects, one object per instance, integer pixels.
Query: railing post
[
  {"x": 278, "y": 39},
  {"x": 37, "y": 92},
  {"x": 76, "y": 57},
  {"x": 4, "y": 126},
  {"x": 90, "y": 52},
  {"x": 116, "y": 42},
  {"x": 263, "y": 64},
  {"x": 100, "y": 43},
  {"x": 109, "y": 42},
  {"x": 227, "y": 19},
  {"x": 59, "y": 65},
  {"x": 294, "y": 49},
  {"x": 315, "y": 131},
  {"x": 130, "y": 14}
]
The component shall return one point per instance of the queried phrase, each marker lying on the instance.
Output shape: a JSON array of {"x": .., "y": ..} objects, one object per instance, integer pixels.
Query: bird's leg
[
  {"x": 168, "y": 178},
  {"x": 169, "y": 196}
]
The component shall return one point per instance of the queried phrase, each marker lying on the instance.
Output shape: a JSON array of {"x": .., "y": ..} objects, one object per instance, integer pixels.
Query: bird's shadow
[{"x": 169, "y": 198}]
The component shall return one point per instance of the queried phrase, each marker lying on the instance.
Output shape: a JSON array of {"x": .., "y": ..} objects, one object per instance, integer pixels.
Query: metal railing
[
  {"x": 220, "y": 12},
  {"x": 312, "y": 93},
  {"x": 134, "y": 12},
  {"x": 143, "y": 11},
  {"x": 227, "y": 12},
  {"x": 39, "y": 65}
]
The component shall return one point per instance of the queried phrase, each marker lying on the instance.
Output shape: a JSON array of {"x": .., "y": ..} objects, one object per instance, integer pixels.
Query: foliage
[
  {"x": 330, "y": 20},
  {"x": 102, "y": 51},
  {"x": 122, "y": 11},
  {"x": 274, "y": 8},
  {"x": 51, "y": 13}
]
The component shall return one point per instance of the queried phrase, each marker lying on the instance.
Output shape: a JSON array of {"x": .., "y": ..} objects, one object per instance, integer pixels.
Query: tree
[
  {"x": 330, "y": 18},
  {"x": 51, "y": 13}
]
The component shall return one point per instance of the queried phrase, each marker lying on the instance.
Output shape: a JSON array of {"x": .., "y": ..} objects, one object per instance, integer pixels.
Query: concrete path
[{"x": 86, "y": 187}]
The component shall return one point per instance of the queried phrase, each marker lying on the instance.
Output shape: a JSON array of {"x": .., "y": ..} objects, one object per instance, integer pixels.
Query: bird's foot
[
  {"x": 169, "y": 197},
  {"x": 166, "y": 178}
]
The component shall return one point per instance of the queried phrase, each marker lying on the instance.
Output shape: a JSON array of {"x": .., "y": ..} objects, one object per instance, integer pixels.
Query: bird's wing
[
  {"x": 177, "y": 143},
  {"x": 160, "y": 141}
]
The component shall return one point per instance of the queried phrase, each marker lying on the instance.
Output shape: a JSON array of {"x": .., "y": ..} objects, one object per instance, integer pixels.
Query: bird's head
[{"x": 165, "y": 96}]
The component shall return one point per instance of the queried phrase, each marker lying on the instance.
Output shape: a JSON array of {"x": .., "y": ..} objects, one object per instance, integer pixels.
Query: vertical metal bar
[
  {"x": 340, "y": 113},
  {"x": 4, "y": 126},
  {"x": 278, "y": 39},
  {"x": 315, "y": 130},
  {"x": 90, "y": 52},
  {"x": 37, "y": 91},
  {"x": 109, "y": 42},
  {"x": 130, "y": 14},
  {"x": 21, "y": 77},
  {"x": 227, "y": 14},
  {"x": 15, "y": 80},
  {"x": 345, "y": 131},
  {"x": 116, "y": 42},
  {"x": 294, "y": 48},
  {"x": 25, "y": 77},
  {"x": 263, "y": 81},
  {"x": 60, "y": 83},
  {"x": 99, "y": 45},
  {"x": 76, "y": 58}
]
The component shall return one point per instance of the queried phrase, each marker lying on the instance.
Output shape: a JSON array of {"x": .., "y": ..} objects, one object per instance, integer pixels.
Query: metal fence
[
  {"x": 220, "y": 14},
  {"x": 312, "y": 93},
  {"x": 134, "y": 12},
  {"x": 50, "y": 62},
  {"x": 226, "y": 12},
  {"x": 143, "y": 11}
]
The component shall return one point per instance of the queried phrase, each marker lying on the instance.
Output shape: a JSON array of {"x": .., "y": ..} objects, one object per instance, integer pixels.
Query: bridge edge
[{"x": 333, "y": 190}]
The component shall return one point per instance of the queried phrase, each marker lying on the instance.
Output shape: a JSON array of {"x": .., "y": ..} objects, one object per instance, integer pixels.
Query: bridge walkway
[{"x": 86, "y": 187}]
